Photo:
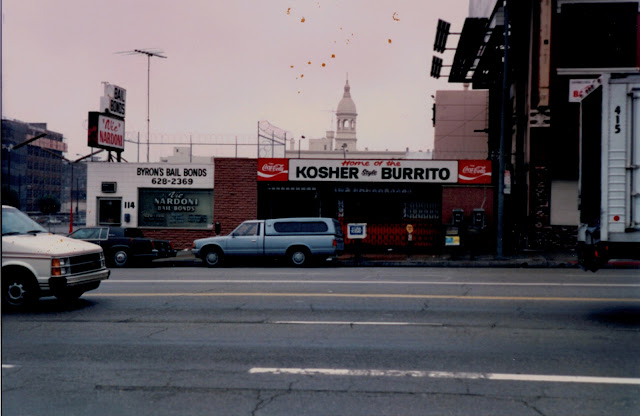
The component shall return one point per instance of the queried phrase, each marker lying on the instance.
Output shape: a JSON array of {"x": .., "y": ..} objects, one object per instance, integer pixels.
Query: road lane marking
[
  {"x": 364, "y": 323},
  {"x": 372, "y": 282},
  {"x": 445, "y": 375},
  {"x": 359, "y": 296},
  {"x": 7, "y": 366}
]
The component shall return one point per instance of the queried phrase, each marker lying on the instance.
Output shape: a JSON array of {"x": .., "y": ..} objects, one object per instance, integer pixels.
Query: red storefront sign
[
  {"x": 273, "y": 169},
  {"x": 474, "y": 171}
]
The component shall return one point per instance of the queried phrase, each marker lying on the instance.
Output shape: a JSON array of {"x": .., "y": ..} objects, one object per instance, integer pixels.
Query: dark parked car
[{"x": 123, "y": 245}]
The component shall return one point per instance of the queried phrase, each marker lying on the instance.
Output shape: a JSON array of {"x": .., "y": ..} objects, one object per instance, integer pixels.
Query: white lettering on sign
[
  {"x": 114, "y": 100},
  {"x": 110, "y": 132},
  {"x": 417, "y": 171}
]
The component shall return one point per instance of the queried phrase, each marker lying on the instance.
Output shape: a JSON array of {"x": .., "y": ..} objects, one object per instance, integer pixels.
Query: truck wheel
[
  {"x": 299, "y": 256},
  {"x": 18, "y": 291},
  {"x": 213, "y": 257},
  {"x": 120, "y": 258}
]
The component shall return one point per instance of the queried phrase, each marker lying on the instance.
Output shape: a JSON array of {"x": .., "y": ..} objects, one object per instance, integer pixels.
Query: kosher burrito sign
[{"x": 359, "y": 170}]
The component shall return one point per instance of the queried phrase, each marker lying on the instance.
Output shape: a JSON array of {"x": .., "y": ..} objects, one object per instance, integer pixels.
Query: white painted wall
[{"x": 132, "y": 176}]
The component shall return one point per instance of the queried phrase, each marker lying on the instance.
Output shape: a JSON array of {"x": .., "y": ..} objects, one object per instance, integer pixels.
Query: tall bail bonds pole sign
[
  {"x": 357, "y": 170},
  {"x": 106, "y": 131}
]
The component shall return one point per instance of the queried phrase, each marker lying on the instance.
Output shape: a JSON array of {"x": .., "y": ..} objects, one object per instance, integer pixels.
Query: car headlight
[{"x": 60, "y": 266}]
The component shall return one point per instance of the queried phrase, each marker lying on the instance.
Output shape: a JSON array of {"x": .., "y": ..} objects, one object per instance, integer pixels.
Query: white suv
[{"x": 36, "y": 263}]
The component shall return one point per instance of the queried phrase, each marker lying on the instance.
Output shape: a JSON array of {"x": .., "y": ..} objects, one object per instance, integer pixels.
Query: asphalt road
[{"x": 336, "y": 341}]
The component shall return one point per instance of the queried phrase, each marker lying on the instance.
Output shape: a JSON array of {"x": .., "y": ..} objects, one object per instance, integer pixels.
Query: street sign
[{"x": 357, "y": 231}]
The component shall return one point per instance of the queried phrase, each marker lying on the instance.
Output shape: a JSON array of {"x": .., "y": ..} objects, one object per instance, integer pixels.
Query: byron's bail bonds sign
[
  {"x": 355, "y": 170},
  {"x": 164, "y": 175},
  {"x": 175, "y": 196}
]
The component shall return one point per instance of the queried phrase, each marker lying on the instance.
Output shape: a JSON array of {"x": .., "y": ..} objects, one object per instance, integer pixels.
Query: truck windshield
[{"x": 16, "y": 222}]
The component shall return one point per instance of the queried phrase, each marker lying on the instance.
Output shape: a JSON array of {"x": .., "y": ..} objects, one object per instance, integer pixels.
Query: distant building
[
  {"x": 33, "y": 170},
  {"x": 343, "y": 142}
]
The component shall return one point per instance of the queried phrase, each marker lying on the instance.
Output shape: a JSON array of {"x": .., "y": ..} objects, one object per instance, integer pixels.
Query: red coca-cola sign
[
  {"x": 273, "y": 169},
  {"x": 474, "y": 171}
]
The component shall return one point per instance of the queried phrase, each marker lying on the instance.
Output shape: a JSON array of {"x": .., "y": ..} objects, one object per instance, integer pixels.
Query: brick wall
[
  {"x": 235, "y": 195},
  {"x": 467, "y": 198},
  {"x": 180, "y": 238}
]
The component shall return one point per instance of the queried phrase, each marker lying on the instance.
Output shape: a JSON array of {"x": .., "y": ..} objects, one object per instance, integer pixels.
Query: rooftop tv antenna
[{"x": 149, "y": 53}]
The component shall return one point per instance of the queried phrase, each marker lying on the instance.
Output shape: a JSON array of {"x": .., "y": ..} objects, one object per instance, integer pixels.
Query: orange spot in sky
[
  {"x": 291, "y": 66},
  {"x": 395, "y": 17},
  {"x": 309, "y": 63},
  {"x": 302, "y": 20},
  {"x": 333, "y": 55},
  {"x": 301, "y": 75},
  {"x": 389, "y": 40},
  {"x": 289, "y": 10},
  {"x": 323, "y": 64}
]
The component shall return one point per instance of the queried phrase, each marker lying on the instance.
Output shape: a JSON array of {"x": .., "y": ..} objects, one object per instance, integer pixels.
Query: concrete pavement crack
[
  {"x": 157, "y": 332},
  {"x": 262, "y": 403}
]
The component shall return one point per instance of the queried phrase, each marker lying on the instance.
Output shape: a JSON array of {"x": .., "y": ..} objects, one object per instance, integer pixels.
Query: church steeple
[{"x": 346, "y": 115}]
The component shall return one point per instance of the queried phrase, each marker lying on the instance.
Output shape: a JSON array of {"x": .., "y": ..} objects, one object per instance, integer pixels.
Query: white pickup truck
[
  {"x": 36, "y": 263},
  {"x": 298, "y": 240}
]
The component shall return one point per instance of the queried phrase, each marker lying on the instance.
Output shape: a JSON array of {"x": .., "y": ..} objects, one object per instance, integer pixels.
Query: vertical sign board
[
  {"x": 106, "y": 132},
  {"x": 114, "y": 100}
]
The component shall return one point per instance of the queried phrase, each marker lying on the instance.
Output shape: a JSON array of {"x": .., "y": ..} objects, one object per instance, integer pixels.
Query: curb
[{"x": 186, "y": 259}]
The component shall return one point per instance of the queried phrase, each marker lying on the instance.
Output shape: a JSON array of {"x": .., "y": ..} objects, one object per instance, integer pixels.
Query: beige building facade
[{"x": 461, "y": 122}]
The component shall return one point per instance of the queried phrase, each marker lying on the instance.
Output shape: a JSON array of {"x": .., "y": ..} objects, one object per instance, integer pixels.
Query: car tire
[
  {"x": 120, "y": 258},
  {"x": 213, "y": 257},
  {"x": 18, "y": 291},
  {"x": 299, "y": 256}
]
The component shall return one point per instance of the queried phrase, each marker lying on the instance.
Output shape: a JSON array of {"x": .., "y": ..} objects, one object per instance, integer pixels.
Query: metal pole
[
  {"x": 71, "y": 201},
  {"x": 148, "y": 99},
  {"x": 503, "y": 132}
]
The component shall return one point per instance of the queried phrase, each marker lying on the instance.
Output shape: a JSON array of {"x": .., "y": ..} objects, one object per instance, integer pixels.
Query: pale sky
[{"x": 231, "y": 63}]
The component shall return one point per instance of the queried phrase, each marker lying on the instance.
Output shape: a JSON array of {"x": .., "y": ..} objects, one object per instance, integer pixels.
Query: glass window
[
  {"x": 109, "y": 211},
  {"x": 247, "y": 229},
  {"x": 86, "y": 234},
  {"x": 300, "y": 227},
  {"x": 287, "y": 227},
  {"x": 175, "y": 208},
  {"x": 314, "y": 227}
]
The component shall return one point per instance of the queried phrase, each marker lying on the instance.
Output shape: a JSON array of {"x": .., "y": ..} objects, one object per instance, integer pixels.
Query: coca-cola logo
[
  {"x": 273, "y": 167},
  {"x": 474, "y": 170}
]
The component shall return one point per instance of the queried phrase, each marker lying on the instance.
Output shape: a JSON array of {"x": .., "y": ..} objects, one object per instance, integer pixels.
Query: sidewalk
[{"x": 532, "y": 259}]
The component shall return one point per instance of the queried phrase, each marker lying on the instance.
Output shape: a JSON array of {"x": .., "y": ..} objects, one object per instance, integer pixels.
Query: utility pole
[
  {"x": 149, "y": 54},
  {"x": 504, "y": 129}
]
